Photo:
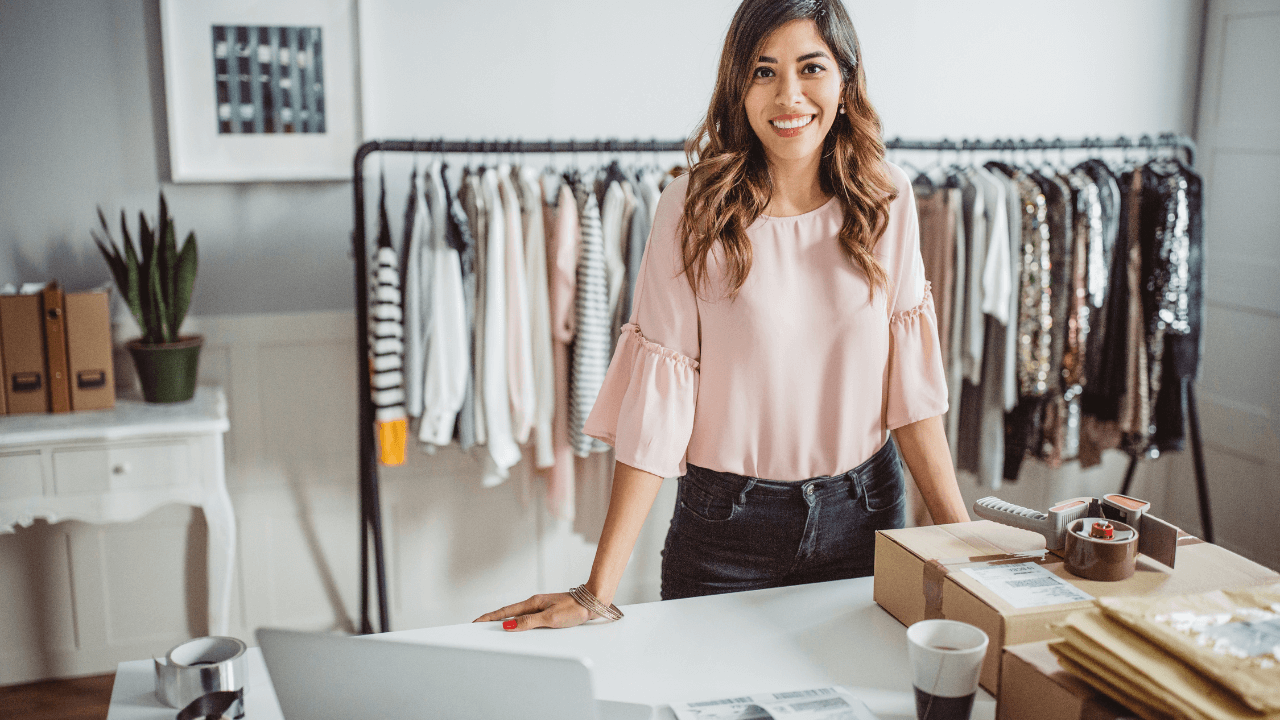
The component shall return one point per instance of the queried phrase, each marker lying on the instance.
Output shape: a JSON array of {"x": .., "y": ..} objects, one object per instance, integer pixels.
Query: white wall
[
  {"x": 627, "y": 69},
  {"x": 82, "y": 114},
  {"x": 81, "y": 123}
]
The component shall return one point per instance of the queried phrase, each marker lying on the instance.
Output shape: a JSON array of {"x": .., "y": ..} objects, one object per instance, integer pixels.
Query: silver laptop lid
[{"x": 319, "y": 676}]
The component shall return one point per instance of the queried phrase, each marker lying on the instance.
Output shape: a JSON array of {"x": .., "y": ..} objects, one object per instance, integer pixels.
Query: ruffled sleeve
[
  {"x": 645, "y": 407},
  {"x": 916, "y": 387}
]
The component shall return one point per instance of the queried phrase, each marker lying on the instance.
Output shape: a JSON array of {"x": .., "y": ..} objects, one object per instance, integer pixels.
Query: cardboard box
[
  {"x": 22, "y": 342},
  {"x": 919, "y": 574},
  {"x": 1034, "y": 685},
  {"x": 92, "y": 377}
]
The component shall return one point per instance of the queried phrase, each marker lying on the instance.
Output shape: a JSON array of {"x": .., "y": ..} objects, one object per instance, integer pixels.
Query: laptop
[{"x": 318, "y": 676}]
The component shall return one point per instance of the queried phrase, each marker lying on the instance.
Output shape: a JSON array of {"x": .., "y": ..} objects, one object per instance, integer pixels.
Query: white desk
[
  {"x": 109, "y": 466},
  {"x": 697, "y": 649}
]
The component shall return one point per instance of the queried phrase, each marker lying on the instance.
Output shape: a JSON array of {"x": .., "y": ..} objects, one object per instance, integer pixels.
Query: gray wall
[{"x": 82, "y": 124}]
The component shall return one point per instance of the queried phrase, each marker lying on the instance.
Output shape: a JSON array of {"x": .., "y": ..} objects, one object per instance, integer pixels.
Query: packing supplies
[
  {"x": 1033, "y": 684},
  {"x": 1136, "y": 672},
  {"x": 1230, "y": 636},
  {"x": 1001, "y": 579}
]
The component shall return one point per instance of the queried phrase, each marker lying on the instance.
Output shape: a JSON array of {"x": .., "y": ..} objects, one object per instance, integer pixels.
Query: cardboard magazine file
[
  {"x": 935, "y": 571},
  {"x": 91, "y": 374},
  {"x": 22, "y": 343},
  {"x": 1034, "y": 685},
  {"x": 4, "y": 405},
  {"x": 55, "y": 347}
]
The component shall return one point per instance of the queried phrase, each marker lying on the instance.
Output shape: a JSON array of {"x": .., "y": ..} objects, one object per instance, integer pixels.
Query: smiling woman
[
  {"x": 783, "y": 62},
  {"x": 769, "y": 391}
]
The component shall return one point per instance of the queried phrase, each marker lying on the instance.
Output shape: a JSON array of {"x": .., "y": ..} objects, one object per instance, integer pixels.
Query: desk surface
[{"x": 697, "y": 649}]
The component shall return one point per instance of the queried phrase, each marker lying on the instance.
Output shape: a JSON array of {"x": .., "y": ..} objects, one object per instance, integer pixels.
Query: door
[{"x": 1239, "y": 389}]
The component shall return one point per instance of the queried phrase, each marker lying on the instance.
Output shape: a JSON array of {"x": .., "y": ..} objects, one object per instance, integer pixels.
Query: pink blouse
[{"x": 799, "y": 377}]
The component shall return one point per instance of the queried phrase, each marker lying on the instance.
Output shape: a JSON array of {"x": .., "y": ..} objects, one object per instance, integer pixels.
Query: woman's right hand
[{"x": 555, "y": 610}]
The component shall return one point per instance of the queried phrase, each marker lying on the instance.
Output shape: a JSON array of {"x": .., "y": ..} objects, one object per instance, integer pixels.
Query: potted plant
[{"x": 156, "y": 280}]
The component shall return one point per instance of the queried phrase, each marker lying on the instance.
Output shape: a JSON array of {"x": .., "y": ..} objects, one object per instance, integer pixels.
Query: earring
[{"x": 841, "y": 108}]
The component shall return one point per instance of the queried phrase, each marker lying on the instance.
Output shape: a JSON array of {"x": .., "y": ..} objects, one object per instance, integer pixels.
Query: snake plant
[{"x": 156, "y": 283}]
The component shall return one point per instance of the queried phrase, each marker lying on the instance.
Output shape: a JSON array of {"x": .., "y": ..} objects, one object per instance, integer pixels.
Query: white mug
[{"x": 946, "y": 660}]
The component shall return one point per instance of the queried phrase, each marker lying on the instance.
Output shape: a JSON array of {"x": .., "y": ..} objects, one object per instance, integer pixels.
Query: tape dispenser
[{"x": 1097, "y": 538}]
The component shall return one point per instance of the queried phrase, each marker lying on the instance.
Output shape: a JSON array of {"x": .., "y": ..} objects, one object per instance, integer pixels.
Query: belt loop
[
  {"x": 855, "y": 483},
  {"x": 742, "y": 496}
]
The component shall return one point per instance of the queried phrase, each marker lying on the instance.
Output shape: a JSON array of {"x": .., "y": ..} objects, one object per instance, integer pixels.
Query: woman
[{"x": 782, "y": 324}]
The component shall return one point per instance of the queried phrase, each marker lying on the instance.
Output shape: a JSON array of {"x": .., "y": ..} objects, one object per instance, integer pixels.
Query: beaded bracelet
[{"x": 586, "y": 599}]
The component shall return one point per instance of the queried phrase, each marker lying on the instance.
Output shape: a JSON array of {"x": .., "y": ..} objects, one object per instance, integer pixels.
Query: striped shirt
[
  {"x": 386, "y": 324},
  {"x": 591, "y": 343}
]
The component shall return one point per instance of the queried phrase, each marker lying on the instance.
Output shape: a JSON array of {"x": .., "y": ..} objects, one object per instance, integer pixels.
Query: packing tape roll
[
  {"x": 1109, "y": 557},
  {"x": 199, "y": 667}
]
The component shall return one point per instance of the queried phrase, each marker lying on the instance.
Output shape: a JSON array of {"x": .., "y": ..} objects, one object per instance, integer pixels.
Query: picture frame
[{"x": 260, "y": 91}]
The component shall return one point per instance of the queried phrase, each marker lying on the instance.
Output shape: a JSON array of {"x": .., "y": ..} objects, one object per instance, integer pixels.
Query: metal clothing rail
[
  {"x": 1148, "y": 142},
  {"x": 370, "y": 502}
]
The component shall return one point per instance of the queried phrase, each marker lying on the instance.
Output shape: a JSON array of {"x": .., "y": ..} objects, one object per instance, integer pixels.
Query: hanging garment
[
  {"x": 612, "y": 213},
  {"x": 637, "y": 236},
  {"x": 1099, "y": 273},
  {"x": 936, "y": 209},
  {"x": 477, "y": 216},
  {"x": 503, "y": 450},
  {"x": 1105, "y": 402},
  {"x": 1035, "y": 325},
  {"x": 829, "y": 370},
  {"x": 628, "y": 216},
  {"x": 1135, "y": 405},
  {"x": 531, "y": 208},
  {"x": 520, "y": 383},
  {"x": 976, "y": 436},
  {"x": 448, "y": 354},
  {"x": 997, "y": 277},
  {"x": 562, "y": 270},
  {"x": 461, "y": 240},
  {"x": 973, "y": 204},
  {"x": 591, "y": 340},
  {"x": 387, "y": 330},
  {"x": 416, "y": 274},
  {"x": 1171, "y": 295},
  {"x": 1086, "y": 233},
  {"x": 1053, "y": 423},
  {"x": 955, "y": 365},
  {"x": 999, "y": 387}
]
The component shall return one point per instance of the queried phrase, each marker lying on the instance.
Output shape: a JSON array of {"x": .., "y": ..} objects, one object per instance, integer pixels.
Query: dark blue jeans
[{"x": 731, "y": 532}]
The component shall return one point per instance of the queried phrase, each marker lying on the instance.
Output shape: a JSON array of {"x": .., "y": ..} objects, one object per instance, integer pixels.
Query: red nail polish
[{"x": 508, "y": 624}]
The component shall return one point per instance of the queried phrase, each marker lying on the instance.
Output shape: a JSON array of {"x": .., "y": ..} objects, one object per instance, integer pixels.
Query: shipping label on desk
[
  {"x": 829, "y": 703},
  {"x": 1025, "y": 585}
]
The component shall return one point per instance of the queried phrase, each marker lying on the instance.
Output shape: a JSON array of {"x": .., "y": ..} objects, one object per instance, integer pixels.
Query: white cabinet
[{"x": 113, "y": 466}]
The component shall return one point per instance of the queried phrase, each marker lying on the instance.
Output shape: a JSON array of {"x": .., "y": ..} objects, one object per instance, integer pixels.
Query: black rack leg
[
  {"x": 1197, "y": 456},
  {"x": 1128, "y": 474},
  {"x": 379, "y": 560},
  {"x": 366, "y": 627}
]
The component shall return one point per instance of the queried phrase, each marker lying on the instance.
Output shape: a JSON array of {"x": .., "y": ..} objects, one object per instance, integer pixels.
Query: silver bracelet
[{"x": 586, "y": 599}]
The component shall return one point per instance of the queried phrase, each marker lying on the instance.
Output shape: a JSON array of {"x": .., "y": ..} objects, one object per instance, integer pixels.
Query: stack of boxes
[
  {"x": 55, "y": 351},
  {"x": 946, "y": 571}
]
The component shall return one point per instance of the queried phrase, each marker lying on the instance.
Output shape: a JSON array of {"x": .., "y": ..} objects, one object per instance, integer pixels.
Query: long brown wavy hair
[{"x": 730, "y": 185}]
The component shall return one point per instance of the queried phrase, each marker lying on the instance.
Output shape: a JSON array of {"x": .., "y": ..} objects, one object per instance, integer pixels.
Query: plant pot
[{"x": 167, "y": 371}]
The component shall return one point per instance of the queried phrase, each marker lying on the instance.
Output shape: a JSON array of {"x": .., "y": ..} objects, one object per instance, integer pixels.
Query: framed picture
[{"x": 260, "y": 90}]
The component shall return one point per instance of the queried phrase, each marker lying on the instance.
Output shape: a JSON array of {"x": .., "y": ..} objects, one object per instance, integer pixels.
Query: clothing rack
[{"x": 370, "y": 502}]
